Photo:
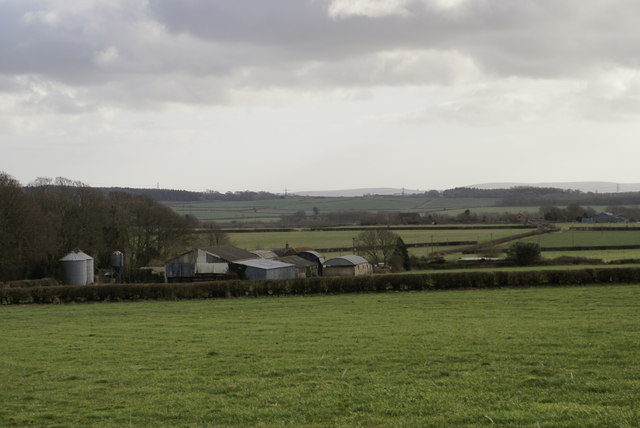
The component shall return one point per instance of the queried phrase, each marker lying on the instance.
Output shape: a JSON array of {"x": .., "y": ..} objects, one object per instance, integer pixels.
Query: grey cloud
[{"x": 144, "y": 52}]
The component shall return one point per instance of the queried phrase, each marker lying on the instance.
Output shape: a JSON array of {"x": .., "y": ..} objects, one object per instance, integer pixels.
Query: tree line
[{"x": 43, "y": 221}]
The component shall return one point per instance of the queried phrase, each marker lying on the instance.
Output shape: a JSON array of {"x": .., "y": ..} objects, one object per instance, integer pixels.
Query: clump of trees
[
  {"x": 383, "y": 247},
  {"x": 42, "y": 222}
]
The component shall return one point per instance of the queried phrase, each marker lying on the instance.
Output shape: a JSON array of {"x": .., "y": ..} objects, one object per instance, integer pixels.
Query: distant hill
[
  {"x": 386, "y": 191},
  {"x": 583, "y": 186}
]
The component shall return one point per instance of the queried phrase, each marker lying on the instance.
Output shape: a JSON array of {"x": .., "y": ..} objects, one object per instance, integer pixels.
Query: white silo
[{"x": 77, "y": 268}]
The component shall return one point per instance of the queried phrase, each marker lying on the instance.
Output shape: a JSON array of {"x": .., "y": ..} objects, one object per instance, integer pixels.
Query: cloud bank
[{"x": 498, "y": 61}]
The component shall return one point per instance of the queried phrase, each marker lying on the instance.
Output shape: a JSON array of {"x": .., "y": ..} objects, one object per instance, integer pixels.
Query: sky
[{"x": 319, "y": 94}]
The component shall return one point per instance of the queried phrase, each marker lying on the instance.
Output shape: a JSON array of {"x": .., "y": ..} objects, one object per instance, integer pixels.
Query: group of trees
[
  {"x": 45, "y": 220},
  {"x": 383, "y": 247}
]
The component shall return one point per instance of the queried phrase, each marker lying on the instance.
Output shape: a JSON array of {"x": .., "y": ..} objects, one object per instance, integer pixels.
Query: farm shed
[
  {"x": 313, "y": 256},
  {"x": 264, "y": 269},
  {"x": 203, "y": 264},
  {"x": 194, "y": 265},
  {"x": 351, "y": 265},
  {"x": 77, "y": 268},
  {"x": 306, "y": 269},
  {"x": 264, "y": 254},
  {"x": 605, "y": 217}
]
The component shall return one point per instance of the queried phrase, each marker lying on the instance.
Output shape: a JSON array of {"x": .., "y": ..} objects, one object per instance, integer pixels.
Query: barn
[
  {"x": 203, "y": 264},
  {"x": 305, "y": 268},
  {"x": 264, "y": 269},
  {"x": 313, "y": 256},
  {"x": 350, "y": 265}
]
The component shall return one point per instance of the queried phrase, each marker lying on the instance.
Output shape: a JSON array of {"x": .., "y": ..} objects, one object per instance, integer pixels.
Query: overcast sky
[{"x": 319, "y": 94}]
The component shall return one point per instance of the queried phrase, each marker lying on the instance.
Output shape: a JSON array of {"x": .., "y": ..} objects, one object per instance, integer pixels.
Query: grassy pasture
[
  {"x": 561, "y": 357},
  {"x": 271, "y": 210},
  {"x": 344, "y": 239},
  {"x": 580, "y": 238}
]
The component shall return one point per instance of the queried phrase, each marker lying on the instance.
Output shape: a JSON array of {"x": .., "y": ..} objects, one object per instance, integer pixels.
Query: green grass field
[
  {"x": 578, "y": 238},
  {"x": 561, "y": 357},
  {"x": 343, "y": 239},
  {"x": 273, "y": 210}
]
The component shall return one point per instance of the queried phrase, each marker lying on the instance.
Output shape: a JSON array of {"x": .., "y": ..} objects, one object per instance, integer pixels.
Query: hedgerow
[{"x": 315, "y": 286}]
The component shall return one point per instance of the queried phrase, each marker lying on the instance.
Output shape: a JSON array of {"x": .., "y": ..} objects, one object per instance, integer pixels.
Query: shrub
[{"x": 523, "y": 253}]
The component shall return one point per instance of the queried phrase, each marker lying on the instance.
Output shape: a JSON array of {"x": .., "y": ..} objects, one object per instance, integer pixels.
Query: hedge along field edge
[{"x": 315, "y": 286}]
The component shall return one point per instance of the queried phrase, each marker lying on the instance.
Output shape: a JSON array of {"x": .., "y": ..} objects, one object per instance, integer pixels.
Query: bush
[{"x": 524, "y": 253}]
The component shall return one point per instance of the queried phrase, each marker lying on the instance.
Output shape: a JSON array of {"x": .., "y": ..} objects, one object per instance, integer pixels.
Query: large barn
[
  {"x": 264, "y": 269},
  {"x": 204, "y": 264},
  {"x": 351, "y": 265}
]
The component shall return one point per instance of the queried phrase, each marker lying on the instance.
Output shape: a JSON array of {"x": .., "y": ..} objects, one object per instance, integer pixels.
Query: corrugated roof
[
  {"x": 229, "y": 253},
  {"x": 76, "y": 256},
  {"x": 313, "y": 252},
  {"x": 297, "y": 261},
  {"x": 266, "y": 264},
  {"x": 264, "y": 254},
  {"x": 350, "y": 260}
]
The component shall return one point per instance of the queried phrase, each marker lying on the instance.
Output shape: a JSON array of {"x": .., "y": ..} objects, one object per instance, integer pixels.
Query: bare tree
[{"x": 377, "y": 245}]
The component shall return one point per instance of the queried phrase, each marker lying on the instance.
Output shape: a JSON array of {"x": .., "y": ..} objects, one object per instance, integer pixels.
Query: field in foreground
[{"x": 528, "y": 357}]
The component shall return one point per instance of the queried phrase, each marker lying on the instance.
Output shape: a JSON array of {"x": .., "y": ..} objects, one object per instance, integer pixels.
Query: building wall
[
  {"x": 254, "y": 273},
  {"x": 363, "y": 269}
]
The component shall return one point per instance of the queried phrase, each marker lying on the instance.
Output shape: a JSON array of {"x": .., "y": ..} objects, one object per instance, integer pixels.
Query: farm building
[
  {"x": 264, "y": 254},
  {"x": 351, "y": 265},
  {"x": 605, "y": 217},
  {"x": 264, "y": 269},
  {"x": 306, "y": 268},
  {"x": 77, "y": 268},
  {"x": 313, "y": 256},
  {"x": 203, "y": 264}
]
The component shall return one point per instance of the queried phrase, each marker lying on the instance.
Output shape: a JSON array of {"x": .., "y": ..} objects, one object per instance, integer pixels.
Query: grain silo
[{"x": 77, "y": 268}]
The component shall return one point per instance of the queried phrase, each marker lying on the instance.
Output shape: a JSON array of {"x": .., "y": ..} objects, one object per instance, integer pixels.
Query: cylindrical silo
[
  {"x": 76, "y": 267},
  {"x": 90, "y": 276}
]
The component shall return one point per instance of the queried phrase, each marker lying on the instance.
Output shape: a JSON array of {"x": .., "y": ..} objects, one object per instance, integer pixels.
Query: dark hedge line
[{"x": 320, "y": 285}]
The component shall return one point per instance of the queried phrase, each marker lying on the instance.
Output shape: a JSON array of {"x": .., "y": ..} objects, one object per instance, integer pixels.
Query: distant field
[
  {"x": 561, "y": 357},
  {"x": 344, "y": 239},
  {"x": 272, "y": 210},
  {"x": 578, "y": 238}
]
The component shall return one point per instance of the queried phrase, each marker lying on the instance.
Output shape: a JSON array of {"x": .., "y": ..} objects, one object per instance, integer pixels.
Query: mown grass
[{"x": 529, "y": 357}]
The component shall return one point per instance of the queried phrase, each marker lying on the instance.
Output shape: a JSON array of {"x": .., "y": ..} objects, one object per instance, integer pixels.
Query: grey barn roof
[
  {"x": 264, "y": 264},
  {"x": 230, "y": 253},
  {"x": 350, "y": 260},
  {"x": 297, "y": 261}
]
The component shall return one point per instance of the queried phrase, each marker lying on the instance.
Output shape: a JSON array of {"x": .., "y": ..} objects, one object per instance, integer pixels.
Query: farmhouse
[
  {"x": 264, "y": 269},
  {"x": 351, "y": 265},
  {"x": 203, "y": 264}
]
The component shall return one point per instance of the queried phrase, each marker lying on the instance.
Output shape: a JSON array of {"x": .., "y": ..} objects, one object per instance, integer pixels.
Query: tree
[
  {"x": 377, "y": 245},
  {"x": 523, "y": 253},
  {"x": 26, "y": 245},
  {"x": 400, "y": 259},
  {"x": 215, "y": 235}
]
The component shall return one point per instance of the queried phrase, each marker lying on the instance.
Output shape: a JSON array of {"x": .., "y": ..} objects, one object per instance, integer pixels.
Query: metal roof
[
  {"x": 297, "y": 261},
  {"x": 264, "y": 254},
  {"x": 76, "y": 256},
  {"x": 266, "y": 264},
  {"x": 350, "y": 260},
  {"x": 229, "y": 253},
  {"x": 313, "y": 252}
]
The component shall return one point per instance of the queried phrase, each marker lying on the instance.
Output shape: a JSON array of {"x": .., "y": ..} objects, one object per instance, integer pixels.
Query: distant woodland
[{"x": 43, "y": 221}]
